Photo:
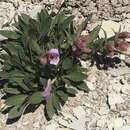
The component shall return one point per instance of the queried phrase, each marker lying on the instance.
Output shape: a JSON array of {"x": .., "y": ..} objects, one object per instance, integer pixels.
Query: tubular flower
[
  {"x": 53, "y": 56},
  {"x": 47, "y": 92}
]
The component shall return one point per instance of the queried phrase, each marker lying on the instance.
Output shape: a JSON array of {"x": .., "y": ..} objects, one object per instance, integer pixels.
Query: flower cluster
[
  {"x": 120, "y": 44},
  {"x": 80, "y": 45}
]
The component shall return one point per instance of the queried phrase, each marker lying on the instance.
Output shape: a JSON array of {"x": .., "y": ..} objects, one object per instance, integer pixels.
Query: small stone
[
  {"x": 63, "y": 129},
  {"x": 122, "y": 57},
  {"x": 35, "y": 10},
  {"x": 126, "y": 89},
  {"x": 53, "y": 126},
  {"x": 123, "y": 113},
  {"x": 79, "y": 112},
  {"x": 115, "y": 123},
  {"x": 104, "y": 110},
  {"x": 110, "y": 27},
  {"x": 124, "y": 128},
  {"x": 114, "y": 99},
  {"x": 90, "y": 85},
  {"x": 101, "y": 122}
]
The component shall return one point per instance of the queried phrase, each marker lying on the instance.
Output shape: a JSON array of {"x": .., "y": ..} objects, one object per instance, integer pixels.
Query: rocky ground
[{"x": 107, "y": 105}]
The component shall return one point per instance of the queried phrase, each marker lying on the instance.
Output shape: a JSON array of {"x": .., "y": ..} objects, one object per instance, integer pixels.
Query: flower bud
[
  {"x": 122, "y": 45},
  {"x": 80, "y": 45},
  {"x": 87, "y": 50},
  {"x": 110, "y": 46},
  {"x": 124, "y": 35},
  {"x": 43, "y": 60}
]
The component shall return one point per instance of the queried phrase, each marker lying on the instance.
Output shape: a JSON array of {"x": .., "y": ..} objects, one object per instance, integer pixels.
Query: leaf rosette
[{"x": 39, "y": 64}]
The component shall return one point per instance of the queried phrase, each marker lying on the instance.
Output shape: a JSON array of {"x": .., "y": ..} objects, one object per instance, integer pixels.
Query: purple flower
[
  {"x": 47, "y": 92},
  {"x": 53, "y": 56}
]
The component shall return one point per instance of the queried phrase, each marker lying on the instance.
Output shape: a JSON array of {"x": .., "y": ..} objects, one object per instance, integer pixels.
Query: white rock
[
  {"x": 75, "y": 125},
  {"x": 124, "y": 128},
  {"x": 104, "y": 110},
  {"x": 126, "y": 89},
  {"x": 109, "y": 27},
  {"x": 101, "y": 122},
  {"x": 63, "y": 129},
  {"x": 78, "y": 124},
  {"x": 115, "y": 123},
  {"x": 68, "y": 116},
  {"x": 117, "y": 87},
  {"x": 79, "y": 112},
  {"x": 53, "y": 126},
  {"x": 90, "y": 85},
  {"x": 35, "y": 10},
  {"x": 122, "y": 56},
  {"x": 114, "y": 99}
]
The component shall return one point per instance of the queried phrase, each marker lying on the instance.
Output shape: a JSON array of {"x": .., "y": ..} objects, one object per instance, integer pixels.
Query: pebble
[
  {"x": 79, "y": 112},
  {"x": 115, "y": 123},
  {"x": 114, "y": 99}
]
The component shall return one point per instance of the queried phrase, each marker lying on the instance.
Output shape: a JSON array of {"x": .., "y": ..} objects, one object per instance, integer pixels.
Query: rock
[
  {"x": 63, "y": 129},
  {"x": 114, "y": 99},
  {"x": 79, "y": 112},
  {"x": 78, "y": 124},
  {"x": 104, "y": 110},
  {"x": 124, "y": 128},
  {"x": 115, "y": 123},
  {"x": 52, "y": 126},
  {"x": 118, "y": 72},
  {"x": 35, "y": 10},
  {"x": 101, "y": 122},
  {"x": 2, "y": 103},
  {"x": 126, "y": 89},
  {"x": 90, "y": 85},
  {"x": 109, "y": 27}
]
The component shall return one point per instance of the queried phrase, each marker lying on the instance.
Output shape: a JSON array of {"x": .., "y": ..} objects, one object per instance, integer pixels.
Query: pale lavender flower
[
  {"x": 53, "y": 56},
  {"x": 47, "y": 92}
]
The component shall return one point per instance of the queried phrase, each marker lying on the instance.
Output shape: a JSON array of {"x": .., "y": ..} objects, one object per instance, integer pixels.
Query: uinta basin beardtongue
[
  {"x": 122, "y": 45},
  {"x": 53, "y": 56},
  {"x": 80, "y": 45},
  {"x": 47, "y": 91}
]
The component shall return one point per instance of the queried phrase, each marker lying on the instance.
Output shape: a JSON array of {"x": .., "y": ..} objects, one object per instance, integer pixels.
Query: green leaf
[
  {"x": 36, "y": 98},
  {"x": 94, "y": 33},
  {"x": 67, "y": 63},
  {"x": 83, "y": 86},
  {"x": 76, "y": 76},
  {"x": 83, "y": 25},
  {"x": 25, "y": 18},
  {"x": 16, "y": 112},
  {"x": 67, "y": 22},
  {"x": 35, "y": 47},
  {"x": 50, "y": 110},
  {"x": 11, "y": 90},
  {"x": 16, "y": 100},
  {"x": 56, "y": 102},
  {"x": 63, "y": 96},
  {"x": 71, "y": 91},
  {"x": 9, "y": 34},
  {"x": 45, "y": 23}
]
